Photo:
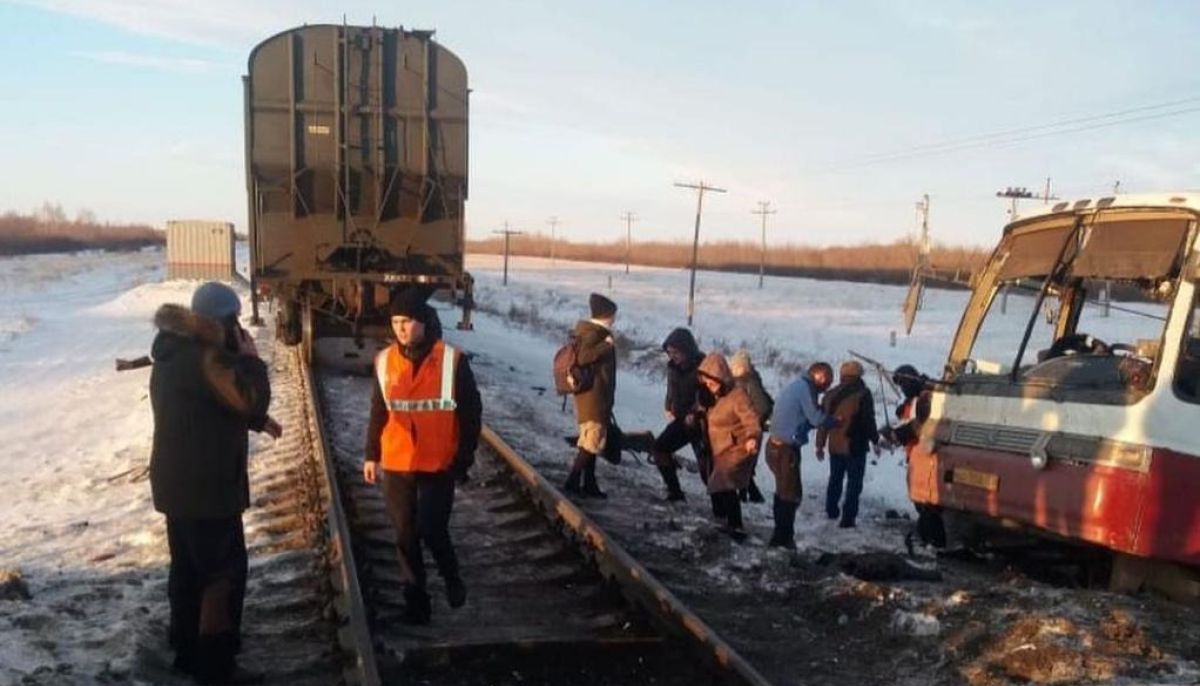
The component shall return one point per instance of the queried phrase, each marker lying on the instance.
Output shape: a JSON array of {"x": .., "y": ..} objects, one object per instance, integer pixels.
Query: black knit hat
[
  {"x": 602, "y": 307},
  {"x": 410, "y": 303}
]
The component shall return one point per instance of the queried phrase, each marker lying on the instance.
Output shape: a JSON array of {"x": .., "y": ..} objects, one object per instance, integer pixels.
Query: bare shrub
[
  {"x": 880, "y": 262},
  {"x": 48, "y": 230}
]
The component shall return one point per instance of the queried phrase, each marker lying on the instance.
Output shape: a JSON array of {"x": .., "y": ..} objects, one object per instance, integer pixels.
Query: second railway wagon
[{"x": 356, "y": 175}]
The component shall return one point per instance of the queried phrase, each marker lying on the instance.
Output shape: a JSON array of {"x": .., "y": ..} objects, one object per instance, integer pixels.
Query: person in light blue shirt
[{"x": 796, "y": 413}]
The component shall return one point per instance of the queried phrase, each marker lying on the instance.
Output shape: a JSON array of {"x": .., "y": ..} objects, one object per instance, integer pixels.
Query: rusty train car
[
  {"x": 1065, "y": 413},
  {"x": 356, "y": 176}
]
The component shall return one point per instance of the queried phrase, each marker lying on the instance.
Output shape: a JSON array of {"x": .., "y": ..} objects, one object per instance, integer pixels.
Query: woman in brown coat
[{"x": 733, "y": 433}]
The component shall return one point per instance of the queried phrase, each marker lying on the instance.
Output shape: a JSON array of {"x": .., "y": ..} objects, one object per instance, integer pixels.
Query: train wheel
[{"x": 307, "y": 333}]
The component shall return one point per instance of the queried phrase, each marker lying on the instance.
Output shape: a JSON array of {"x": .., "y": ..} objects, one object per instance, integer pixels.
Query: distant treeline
[
  {"x": 49, "y": 230},
  {"x": 875, "y": 262}
]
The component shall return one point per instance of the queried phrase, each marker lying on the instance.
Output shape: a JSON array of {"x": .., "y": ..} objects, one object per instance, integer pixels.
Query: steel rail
[
  {"x": 636, "y": 583},
  {"x": 355, "y": 634}
]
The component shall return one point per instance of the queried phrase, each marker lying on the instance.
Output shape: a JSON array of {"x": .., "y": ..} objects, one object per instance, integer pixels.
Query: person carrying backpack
[{"x": 596, "y": 352}]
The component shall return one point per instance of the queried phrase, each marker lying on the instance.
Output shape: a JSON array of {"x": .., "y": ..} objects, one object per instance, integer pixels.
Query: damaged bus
[{"x": 1070, "y": 402}]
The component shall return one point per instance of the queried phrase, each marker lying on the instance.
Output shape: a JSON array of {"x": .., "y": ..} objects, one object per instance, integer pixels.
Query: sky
[{"x": 841, "y": 115}]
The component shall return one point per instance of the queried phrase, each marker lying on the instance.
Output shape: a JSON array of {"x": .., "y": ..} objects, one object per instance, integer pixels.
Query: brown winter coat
[
  {"x": 596, "y": 348},
  {"x": 854, "y": 406},
  {"x": 731, "y": 422}
]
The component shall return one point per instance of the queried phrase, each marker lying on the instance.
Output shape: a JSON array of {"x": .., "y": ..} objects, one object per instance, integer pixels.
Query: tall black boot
[
  {"x": 670, "y": 477},
  {"x": 572, "y": 483},
  {"x": 215, "y": 663},
  {"x": 718, "y": 507},
  {"x": 784, "y": 535},
  {"x": 590, "y": 488}
]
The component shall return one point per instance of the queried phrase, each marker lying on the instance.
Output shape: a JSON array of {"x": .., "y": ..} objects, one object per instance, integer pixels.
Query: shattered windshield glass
[{"x": 1081, "y": 302}]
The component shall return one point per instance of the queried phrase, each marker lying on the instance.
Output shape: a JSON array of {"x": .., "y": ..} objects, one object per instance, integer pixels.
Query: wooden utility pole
[
  {"x": 629, "y": 218},
  {"x": 764, "y": 208},
  {"x": 700, "y": 189},
  {"x": 508, "y": 234},
  {"x": 553, "y": 222}
]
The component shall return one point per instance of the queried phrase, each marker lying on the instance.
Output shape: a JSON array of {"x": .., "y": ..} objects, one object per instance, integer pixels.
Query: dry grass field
[
  {"x": 882, "y": 263},
  {"x": 48, "y": 232}
]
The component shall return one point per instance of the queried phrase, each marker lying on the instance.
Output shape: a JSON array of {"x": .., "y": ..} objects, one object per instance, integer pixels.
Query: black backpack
[{"x": 570, "y": 377}]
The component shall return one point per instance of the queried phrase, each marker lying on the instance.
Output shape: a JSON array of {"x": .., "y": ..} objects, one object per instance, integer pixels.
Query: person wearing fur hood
[
  {"x": 733, "y": 436},
  {"x": 208, "y": 388}
]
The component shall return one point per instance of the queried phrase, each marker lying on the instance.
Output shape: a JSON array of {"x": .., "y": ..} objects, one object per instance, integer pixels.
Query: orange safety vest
[{"x": 421, "y": 433}]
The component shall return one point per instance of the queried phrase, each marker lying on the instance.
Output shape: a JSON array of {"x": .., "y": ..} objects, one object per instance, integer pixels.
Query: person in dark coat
[
  {"x": 595, "y": 348},
  {"x": 746, "y": 377},
  {"x": 421, "y": 440},
  {"x": 853, "y": 405},
  {"x": 208, "y": 388},
  {"x": 683, "y": 408},
  {"x": 796, "y": 413},
  {"x": 734, "y": 429}
]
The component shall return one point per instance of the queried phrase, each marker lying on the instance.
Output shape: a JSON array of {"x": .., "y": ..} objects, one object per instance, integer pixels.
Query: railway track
[{"x": 551, "y": 598}]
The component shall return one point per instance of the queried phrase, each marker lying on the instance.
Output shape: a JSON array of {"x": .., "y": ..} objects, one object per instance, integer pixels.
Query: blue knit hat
[{"x": 216, "y": 300}]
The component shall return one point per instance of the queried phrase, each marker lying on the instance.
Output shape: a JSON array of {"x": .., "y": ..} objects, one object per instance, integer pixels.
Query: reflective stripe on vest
[{"x": 445, "y": 403}]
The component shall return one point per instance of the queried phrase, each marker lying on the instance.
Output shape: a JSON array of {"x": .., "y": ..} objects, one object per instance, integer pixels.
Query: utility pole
[
  {"x": 700, "y": 188},
  {"x": 629, "y": 218},
  {"x": 764, "y": 208},
  {"x": 1116, "y": 187},
  {"x": 1014, "y": 194},
  {"x": 553, "y": 222},
  {"x": 924, "y": 248},
  {"x": 508, "y": 234}
]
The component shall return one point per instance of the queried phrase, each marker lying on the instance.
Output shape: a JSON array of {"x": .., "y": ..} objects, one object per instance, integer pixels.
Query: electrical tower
[
  {"x": 764, "y": 208},
  {"x": 700, "y": 189}
]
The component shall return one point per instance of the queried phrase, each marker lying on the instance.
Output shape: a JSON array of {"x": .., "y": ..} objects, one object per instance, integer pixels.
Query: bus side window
[{"x": 1187, "y": 374}]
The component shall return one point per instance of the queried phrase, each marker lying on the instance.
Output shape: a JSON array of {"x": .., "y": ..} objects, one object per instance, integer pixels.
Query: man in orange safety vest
[{"x": 421, "y": 438}]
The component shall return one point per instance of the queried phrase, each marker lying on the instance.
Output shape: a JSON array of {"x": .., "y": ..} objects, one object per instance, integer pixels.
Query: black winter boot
[
  {"x": 718, "y": 507},
  {"x": 590, "y": 488},
  {"x": 670, "y": 477},
  {"x": 456, "y": 591},
  {"x": 215, "y": 664},
  {"x": 784, "y": 535},
  {"x": 577, "y": 469},
  {"x": 417, "y": 608}
]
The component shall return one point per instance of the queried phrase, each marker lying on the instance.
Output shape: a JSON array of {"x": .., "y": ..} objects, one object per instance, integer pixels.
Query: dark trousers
[
  {"x": 849, "y": 469},
  {"x": 419, "y": 506},
  {"x": 728, "y": 506},
  {"x": 678, "y": 434},
  {"x": 206, "y": 586}
]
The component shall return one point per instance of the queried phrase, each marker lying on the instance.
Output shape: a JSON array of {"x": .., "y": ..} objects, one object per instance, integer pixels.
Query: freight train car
[
  {"x": 356, "y": 176},
  {"x": 1068, "y": 411}
]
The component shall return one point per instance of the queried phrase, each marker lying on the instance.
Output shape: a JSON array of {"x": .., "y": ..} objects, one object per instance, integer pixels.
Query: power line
[{"x": 1020, "y": 135}]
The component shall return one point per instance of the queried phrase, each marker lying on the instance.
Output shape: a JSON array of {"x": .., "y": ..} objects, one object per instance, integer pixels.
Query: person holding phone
[{"x": 208, "y": 388}]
